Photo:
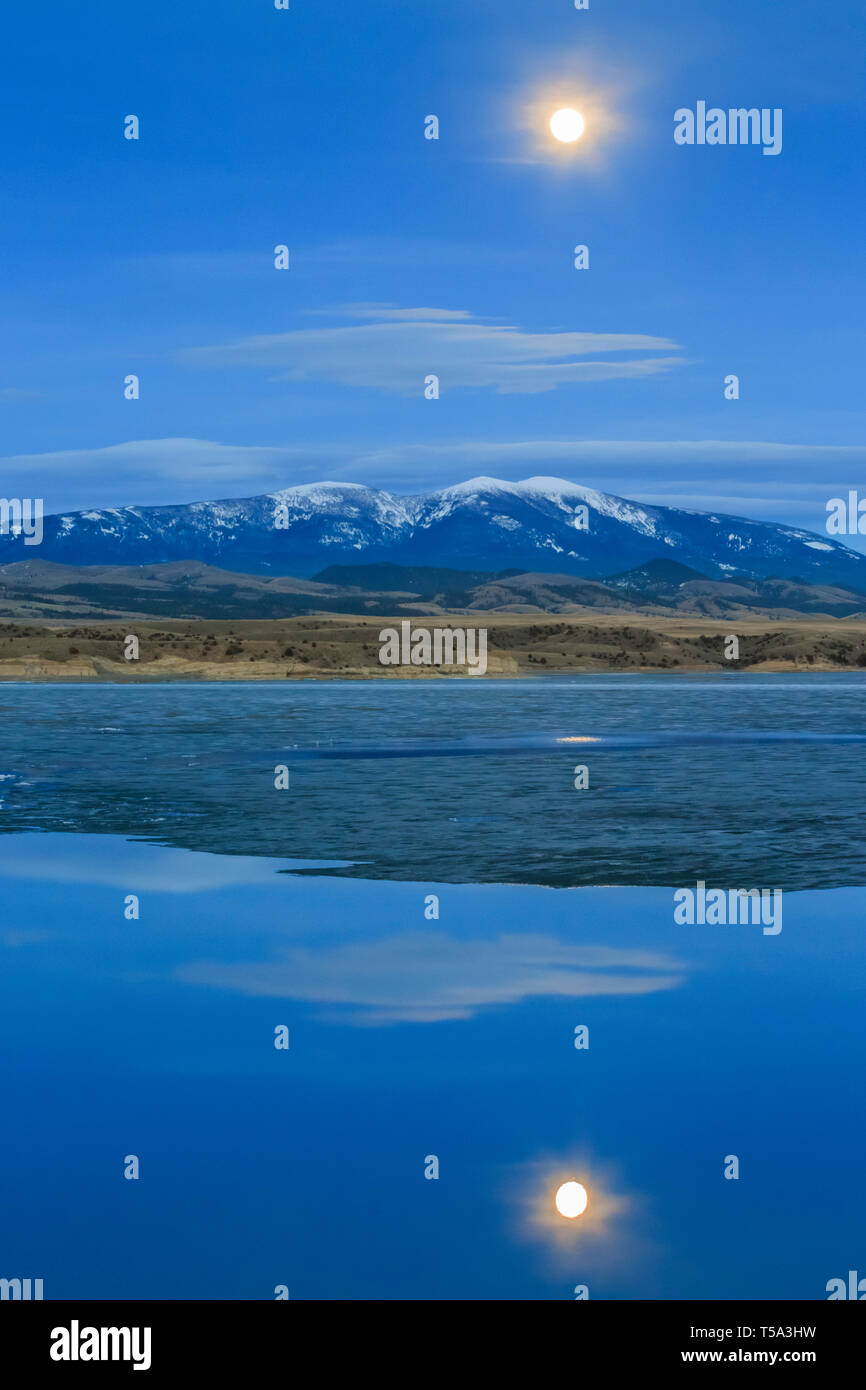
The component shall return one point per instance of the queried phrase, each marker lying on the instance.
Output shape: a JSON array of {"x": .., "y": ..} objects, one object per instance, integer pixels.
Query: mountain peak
[
  {"x": 555, "y": 486},
  {"x": 310, "y": 489},
  {"x": 484, "y": 525},
  {"x": 550, "y": 487},
  {"x": 480, "y": 484}
]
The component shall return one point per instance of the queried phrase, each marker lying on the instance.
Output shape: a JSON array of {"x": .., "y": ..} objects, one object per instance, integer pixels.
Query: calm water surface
[{"x": 412, "y": 1035}]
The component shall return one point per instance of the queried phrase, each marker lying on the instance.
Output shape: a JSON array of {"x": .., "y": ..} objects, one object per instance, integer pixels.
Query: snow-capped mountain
[{"x": 541, "y": 524}]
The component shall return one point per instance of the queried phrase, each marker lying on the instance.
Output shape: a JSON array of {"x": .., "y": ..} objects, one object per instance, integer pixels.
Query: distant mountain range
[
  {"x": 482, "y": 526},
  {"x": 40, "y": 590}
]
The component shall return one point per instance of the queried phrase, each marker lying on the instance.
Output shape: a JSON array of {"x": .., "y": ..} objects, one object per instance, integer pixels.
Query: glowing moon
[
  {"x": 571, "y": 1199},
  {"x": 567, "y": 125}
]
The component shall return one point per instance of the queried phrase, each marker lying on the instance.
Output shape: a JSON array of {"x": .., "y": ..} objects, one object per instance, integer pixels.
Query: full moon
[
  {"x": 567, "y": 125},
  {"x": 571, "y": 1199}
]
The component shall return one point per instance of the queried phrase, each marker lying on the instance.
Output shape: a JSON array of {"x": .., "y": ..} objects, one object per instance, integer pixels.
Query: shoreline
[
  {"x": 347, "y": 647},
  {"x": 237, "y": 676}
]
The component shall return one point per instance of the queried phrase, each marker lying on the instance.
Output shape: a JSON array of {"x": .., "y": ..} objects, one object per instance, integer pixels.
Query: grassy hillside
[{"x": 347, "y": 646}]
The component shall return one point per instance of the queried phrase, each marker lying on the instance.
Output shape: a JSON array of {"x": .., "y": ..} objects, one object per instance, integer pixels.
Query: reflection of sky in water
[{"x": 412, "y": 1037}]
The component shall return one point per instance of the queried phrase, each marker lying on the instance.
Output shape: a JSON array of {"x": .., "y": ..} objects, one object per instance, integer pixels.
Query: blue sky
[{"x": 408, "y": 256}]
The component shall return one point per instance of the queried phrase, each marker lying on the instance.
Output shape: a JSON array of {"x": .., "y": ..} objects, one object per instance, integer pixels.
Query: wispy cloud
[
  {"x": 680, "y": 457},
  {"x": 156, "y": 472},
  {"x": 18, "y": 393},
  {"x": 396, "y": 348},
  {"x": 387, "y": 312},
  {"x": 760, "y": 478},
  {"x": 427, "y": 977}
]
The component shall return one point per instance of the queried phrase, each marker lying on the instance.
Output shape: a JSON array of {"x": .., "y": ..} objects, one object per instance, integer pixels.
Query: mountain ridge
[{"x": 540, "y": 524}]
